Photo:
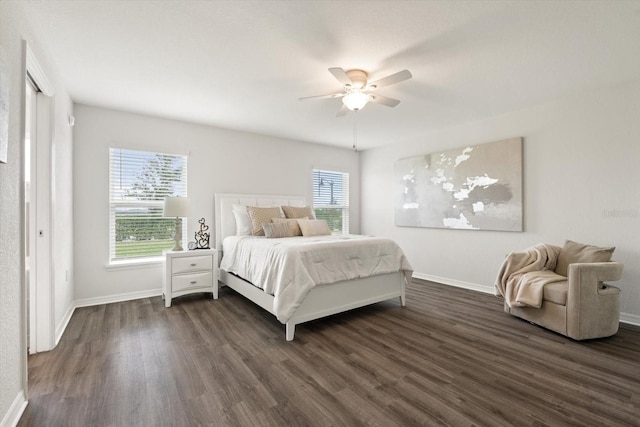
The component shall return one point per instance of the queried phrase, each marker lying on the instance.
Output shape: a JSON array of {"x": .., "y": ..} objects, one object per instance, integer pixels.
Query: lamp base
[{"x": 177, "y": 247}]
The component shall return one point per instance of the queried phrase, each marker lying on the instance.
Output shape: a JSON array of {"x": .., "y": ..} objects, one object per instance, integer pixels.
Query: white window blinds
[
  {"x": 139, "y": 182},
  {"x": 331, "y": 199}
]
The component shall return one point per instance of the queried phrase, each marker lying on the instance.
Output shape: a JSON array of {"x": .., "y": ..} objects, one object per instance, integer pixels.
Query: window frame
[
  {"x": 344, "y": 196},
  {"x": 116, "y": 203}
]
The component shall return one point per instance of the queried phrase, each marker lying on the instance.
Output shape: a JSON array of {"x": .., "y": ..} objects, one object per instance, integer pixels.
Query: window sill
[{"x": 130, "y": 264}]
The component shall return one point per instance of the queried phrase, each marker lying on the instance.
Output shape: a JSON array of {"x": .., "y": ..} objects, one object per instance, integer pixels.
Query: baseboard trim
[
  {"x": 15, "y": 411},
  {"x": 453, "y": 282},
  {"x": 631, "y": 319},
  {"x": 62, "y": 326},
  {"x": 87, "y": 302}
]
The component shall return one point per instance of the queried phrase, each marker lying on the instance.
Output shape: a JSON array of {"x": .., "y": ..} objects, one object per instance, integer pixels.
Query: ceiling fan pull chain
[{"x": 355, "y": 131}]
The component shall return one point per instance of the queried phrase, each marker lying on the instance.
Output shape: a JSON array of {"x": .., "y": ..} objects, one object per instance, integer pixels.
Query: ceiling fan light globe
[{"x": 355, "y": 101}]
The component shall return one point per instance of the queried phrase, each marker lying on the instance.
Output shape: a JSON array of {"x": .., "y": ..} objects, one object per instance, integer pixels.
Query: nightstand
[{"x": 188, "y": 272}]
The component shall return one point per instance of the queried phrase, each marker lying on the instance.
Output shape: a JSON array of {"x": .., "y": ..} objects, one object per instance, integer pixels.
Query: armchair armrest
[
  {"x": 596, "y": 271},
  {"x": 593, "y": 311}
]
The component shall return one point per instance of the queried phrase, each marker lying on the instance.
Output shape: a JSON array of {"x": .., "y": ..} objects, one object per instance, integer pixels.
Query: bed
[{"x": 320, "y": 300}]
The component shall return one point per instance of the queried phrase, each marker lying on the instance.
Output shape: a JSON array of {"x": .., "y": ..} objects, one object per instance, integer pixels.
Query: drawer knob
[
  {"x": 193, "y": 265},
  {"x": 193, "y": 282}
]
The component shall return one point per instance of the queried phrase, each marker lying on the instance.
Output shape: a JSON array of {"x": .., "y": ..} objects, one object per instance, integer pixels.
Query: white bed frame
[{"x": 322, "y": 300}]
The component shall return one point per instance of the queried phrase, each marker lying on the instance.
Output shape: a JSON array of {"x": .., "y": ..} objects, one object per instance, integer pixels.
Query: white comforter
[{"x": 288, "y": 268}]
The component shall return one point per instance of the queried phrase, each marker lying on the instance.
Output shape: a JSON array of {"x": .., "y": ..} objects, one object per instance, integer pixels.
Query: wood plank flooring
[{"x": 450, "y": 357}]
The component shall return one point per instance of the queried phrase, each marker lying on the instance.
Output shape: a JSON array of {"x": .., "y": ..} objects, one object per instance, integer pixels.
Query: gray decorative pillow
[
  {"x": 260, "y": 215},
  {"x": 276, "y": 230},
  {"x": 298, "y": 212},
  {"x": 573, "y": 252},
  {"x": 293, "y": 224}
]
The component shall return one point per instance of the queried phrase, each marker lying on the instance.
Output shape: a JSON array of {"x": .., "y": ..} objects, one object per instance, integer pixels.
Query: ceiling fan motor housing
[{"x": 358, "y": 78}]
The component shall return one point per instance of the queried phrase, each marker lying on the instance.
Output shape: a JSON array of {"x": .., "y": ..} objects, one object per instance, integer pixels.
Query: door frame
[{"x": 44, "y": 326}]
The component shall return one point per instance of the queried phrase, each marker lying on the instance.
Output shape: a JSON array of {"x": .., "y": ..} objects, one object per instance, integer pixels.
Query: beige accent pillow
[
  {"x": 573, "y": 252},
  {"x": 260, "y": 216},
  {"x": 298, "y": 212},
  {"x": 293, "y": 224},
  {"x": 276, "y": 230},
  {"x": 314, "y": 227}
]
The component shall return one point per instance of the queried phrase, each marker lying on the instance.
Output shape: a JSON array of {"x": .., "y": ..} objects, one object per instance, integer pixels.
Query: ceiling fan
[{"x": 358, "y": 91}]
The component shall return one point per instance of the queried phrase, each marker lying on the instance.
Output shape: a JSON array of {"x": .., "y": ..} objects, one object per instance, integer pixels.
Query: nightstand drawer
[
  {"x": 196, "y": 280},
  {"x": 192, "y": 263}
]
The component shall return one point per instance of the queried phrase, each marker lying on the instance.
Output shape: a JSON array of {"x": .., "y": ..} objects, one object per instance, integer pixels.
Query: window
[
  {"x": 139, "y": 181},
  {"x": 331, "y": 199}
]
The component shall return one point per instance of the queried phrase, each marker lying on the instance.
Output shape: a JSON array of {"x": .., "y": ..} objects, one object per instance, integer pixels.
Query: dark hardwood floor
[{"x": 450, "y": 357}]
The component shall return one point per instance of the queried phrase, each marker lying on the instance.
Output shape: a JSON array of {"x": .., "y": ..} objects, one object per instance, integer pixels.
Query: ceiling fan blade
[
  {"x": 340, "y": 75},
  {"x": 342, "y": 111},
  {"x": 392, "y": 79},
  {"x": 379, "y": 99},
  {"x": 331, "y": 95}
]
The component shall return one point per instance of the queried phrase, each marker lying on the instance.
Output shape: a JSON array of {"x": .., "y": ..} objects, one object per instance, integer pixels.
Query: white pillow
[{"x": 243, "y": 222}]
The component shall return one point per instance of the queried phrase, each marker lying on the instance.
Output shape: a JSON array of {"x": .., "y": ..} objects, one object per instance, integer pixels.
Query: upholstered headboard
[{"x": 224, "y": 219}]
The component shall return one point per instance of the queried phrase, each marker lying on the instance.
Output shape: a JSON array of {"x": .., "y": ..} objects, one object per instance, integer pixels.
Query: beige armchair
[{"x": 578, "y": 304}]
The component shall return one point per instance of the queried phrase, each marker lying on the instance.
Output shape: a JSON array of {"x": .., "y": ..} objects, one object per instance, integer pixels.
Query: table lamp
[{"x": 177, "y": 207}]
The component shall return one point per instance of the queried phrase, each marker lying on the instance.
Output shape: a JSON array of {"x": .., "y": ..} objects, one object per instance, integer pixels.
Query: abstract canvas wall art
[{"x": 478, "y": 187}]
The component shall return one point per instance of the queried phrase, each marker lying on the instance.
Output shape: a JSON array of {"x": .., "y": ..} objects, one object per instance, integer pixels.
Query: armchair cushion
[
  {"x": 556, "y": 292},
  {"x": 573, "y": 252}
]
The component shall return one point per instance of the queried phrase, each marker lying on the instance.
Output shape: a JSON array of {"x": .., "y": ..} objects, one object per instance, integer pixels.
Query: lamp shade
[
  {"x": 355, "y": 100},
  {"x": 176, "y": 206}
]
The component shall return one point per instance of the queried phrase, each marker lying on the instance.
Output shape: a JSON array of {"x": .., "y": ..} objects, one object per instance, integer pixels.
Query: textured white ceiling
[{"x": 244, "y": 64}]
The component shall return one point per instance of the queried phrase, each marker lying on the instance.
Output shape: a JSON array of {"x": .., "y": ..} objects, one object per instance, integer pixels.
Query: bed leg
[
  {"x": 291, "y": 330},
  {"x": 403, "y": 302}
]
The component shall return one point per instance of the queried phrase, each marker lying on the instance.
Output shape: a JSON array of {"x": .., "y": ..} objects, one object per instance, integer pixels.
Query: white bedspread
[{"x": 288, "y": 268}]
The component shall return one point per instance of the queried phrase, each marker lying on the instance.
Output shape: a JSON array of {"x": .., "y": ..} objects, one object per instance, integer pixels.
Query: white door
[{"x": 38, "y": 207}]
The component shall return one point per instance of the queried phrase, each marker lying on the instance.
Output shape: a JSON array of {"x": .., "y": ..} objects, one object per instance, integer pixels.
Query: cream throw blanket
[{"x": 522, "y": 276}]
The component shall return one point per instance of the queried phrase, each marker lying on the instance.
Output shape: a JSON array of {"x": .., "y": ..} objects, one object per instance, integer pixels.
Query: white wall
[
  {"x": 581, "y": 158},
  {"x": 14, "y": 28},
  {"x": 11, "y": 297},
  {"x": 220, "y": 160}
]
